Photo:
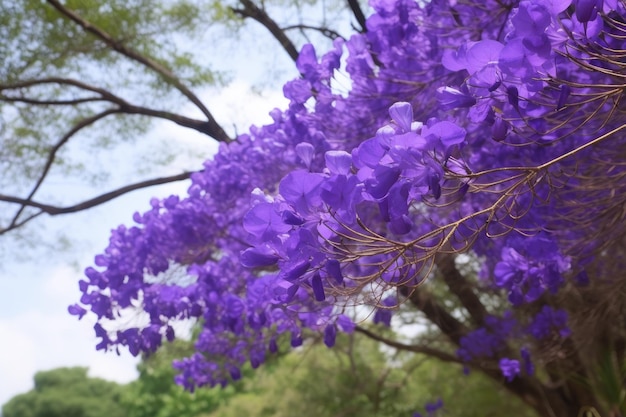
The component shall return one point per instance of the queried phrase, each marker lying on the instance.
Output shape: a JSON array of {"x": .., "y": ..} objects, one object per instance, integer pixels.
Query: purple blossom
[
  {"x": 510, "y": 368},
  {"x": 384, "y": 313},
  {"x": 77, "y": 310},
  {"x": 549, "y": 322},
  {"x": 587, "y": 10},
  {"x": 527, "y": 277},
  {"x": 490, "y": 340}
]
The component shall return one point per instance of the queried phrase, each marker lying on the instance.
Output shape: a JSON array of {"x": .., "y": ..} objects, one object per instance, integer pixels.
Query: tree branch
[
  {"x": 444, "y": 356},
  {"x": 87, "y": 204},
  {"x": 438, "y": 315},
  {"x": 217, "y": 132},
  {"x": 251, "y": 10},
  {"x": 329, "y": 33},
  {"x": 105, "y": 95},
  {"x": 53, "y": 151},
  {"x": 462, "y": 288},
  {"x": 121, "y": 107},
  {"x": 38, "y": 102},
  {"x": 531, "y": 393},
  {"x": 358, "y": 14},
  {"x": 197, "y": 125}
]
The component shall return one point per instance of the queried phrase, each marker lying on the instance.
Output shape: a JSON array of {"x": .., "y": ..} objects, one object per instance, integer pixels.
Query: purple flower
[
  {"x": 447, "y": 133},
  {"x": 402, "y": 114},
  {"x": 330, "y": 333},
  {"x": 306, "y": 152},
  {"x": 510, "y": 368},
  {"x": 451, "y": 98},
  {"x": 301, "y": 189},
  {"x": 338, "y": 162},
  {"x": 587, "y": 10},
  {"x": 549, "y": 322},
  {"x": 258, "y": 257},
  {"x": 77, "y": 310},
  {"x": 431, "y": 409},
  {"x": 263, "y": 222},
  {"x": 383, "y": 314}
]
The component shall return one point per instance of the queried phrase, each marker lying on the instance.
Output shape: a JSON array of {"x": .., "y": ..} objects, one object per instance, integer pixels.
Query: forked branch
[
  {"x": 216, "y": 131},
  {"x": 254, "y": 12},
  {"x": 87, "y": 204},
  {"x": 435, "y": 353}
]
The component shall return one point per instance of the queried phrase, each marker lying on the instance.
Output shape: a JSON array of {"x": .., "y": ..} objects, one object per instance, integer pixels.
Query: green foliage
[
  {"x": 50, "y": 41},
  {"x": 609, "y": 382},
  {"x": 68, "y": 392},
  {"x": 357, "y": 378},
  {"x": 154, "y": 393}
]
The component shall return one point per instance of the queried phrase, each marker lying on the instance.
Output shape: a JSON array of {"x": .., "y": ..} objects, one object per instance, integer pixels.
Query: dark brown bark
[
  {"x": 435, "y": 313},
  {"x": 87, "y": 204},
  {"x": 435, "y": 353},
  {"x": 254, "y": 12},
  {"x": 358, "y": 14},
  {"x": 462, "y": 288},
  {"x": 329, "y": 33}
]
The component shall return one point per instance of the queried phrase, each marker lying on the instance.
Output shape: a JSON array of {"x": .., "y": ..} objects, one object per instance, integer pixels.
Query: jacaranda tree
[{"x": 460, "y": 159}]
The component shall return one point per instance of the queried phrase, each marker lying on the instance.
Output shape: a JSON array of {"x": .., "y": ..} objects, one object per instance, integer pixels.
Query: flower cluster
[
  {"x": 490, "y": 340},
  {"x": 466, "y": 128}
]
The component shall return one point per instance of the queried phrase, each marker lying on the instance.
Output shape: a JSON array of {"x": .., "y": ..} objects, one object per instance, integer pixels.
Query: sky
[{"x": 36, "y": 332}]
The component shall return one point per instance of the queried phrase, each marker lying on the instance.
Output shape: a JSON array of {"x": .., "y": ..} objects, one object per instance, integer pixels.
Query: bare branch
[
  {"x": 124, "y": 106},
  {"x": 53, "y": 151},
  {"x": 197, "y": 125},
  {"x": 37, "y": 102},
  {"x": 435, "y": 353},
  {"x": 103, "y": 198},
  {"x": 329, "y": 33},
  {"x": 217, "y": 132},
  {"x": 105, "y": 94},
  {"x": 251, "y": 10},
  {"x": 358, "y": 14}
]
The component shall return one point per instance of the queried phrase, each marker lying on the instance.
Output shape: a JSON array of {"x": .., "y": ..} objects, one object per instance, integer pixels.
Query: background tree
[
  {"x": 83, "y": 78},
  {"x": 68, "y": 392},
  {"x": 356, "y": 377},
  {"x": 154, "y": 393}
]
